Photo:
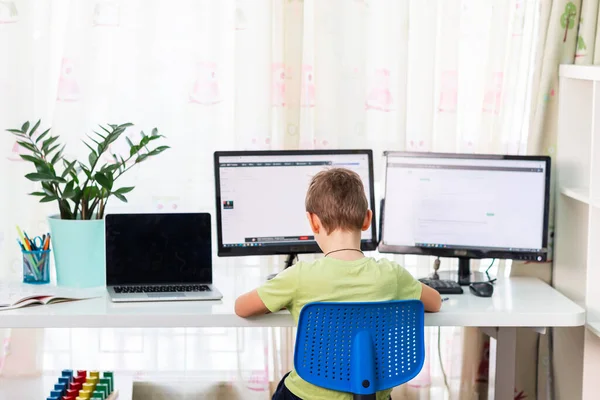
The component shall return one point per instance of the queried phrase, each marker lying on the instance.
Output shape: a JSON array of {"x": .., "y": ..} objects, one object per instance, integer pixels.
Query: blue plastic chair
[{"x": 360, "y": 348}]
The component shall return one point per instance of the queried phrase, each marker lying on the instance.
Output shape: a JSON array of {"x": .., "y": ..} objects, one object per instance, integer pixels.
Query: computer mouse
[{"x": 482, "y": 289}]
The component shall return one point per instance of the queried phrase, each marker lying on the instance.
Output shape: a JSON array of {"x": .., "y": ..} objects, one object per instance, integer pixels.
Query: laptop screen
[{"x": 158, "y": 248}]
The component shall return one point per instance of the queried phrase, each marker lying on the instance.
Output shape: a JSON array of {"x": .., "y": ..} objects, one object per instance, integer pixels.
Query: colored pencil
[{"x": 25, "y": 241}]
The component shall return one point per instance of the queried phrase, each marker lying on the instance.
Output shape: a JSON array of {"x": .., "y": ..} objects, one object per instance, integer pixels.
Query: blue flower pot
[{"x": 79, "y": 255}]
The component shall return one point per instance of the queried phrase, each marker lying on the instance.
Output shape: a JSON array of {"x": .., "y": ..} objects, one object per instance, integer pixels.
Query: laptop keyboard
[{"x": 161, "y": 288}]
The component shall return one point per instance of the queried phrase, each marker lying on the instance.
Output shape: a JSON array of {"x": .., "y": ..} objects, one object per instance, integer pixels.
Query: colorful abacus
[{"x": 84, "y": 386}]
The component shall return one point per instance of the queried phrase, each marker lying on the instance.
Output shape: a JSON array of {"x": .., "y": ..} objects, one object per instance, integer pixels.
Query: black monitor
[
  {"x": 466, "y": 206},
  {"x": 260, "y": 199}
]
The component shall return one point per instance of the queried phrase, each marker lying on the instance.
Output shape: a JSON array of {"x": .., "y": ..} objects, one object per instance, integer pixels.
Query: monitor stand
[
  {"x": 464, "y": 276},
  {"x": 289, "y": 261}
]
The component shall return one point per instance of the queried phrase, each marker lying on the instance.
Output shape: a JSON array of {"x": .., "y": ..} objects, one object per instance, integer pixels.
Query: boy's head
[{"x": 335, "y": 201}]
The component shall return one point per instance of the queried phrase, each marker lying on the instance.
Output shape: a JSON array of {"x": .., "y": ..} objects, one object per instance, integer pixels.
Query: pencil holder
[{"x": 36, "y": 266}]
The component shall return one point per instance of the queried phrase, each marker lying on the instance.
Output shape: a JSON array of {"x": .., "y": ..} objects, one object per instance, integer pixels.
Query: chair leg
[{"x": 365, "y": 396}]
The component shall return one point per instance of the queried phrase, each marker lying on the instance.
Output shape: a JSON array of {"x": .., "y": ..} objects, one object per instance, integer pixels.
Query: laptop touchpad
[{"x": 169, "y": 294}]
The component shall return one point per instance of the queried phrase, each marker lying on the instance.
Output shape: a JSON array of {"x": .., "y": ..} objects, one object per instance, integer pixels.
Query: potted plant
[{"x": 81, "y": 190}]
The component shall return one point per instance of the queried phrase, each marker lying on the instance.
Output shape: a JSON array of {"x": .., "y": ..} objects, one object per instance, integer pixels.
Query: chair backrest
[{"x": 360, "y": 348}]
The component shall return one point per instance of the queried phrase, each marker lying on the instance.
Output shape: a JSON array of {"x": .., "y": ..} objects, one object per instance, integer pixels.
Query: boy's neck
[{"x": 342, "y": 240}]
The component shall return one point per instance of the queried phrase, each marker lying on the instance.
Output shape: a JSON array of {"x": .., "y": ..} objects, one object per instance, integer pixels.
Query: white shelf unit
[{"x": 576, "y": 271}]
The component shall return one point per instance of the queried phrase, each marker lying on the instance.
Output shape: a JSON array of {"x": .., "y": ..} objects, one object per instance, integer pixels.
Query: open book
[{"x": 17, "y": 295}]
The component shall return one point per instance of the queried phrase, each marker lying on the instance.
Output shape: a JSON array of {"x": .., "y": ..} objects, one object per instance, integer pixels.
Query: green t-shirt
[{"x": 329, "y": 279}]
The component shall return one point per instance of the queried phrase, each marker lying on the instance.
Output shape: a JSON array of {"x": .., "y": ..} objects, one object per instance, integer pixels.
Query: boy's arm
[
  {"x": 410, "y": 288},
  {"x": 249, "y": 305},
  {"x": 272, "y": 296},
  {"x": 431, "y": 299}
]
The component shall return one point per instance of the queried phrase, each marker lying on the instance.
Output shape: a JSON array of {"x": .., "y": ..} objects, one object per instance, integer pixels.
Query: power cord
[
  {"x": 442, "y": 364},
  {"x": 436, "y": 266},
  {"x": 490, "y": 267}
]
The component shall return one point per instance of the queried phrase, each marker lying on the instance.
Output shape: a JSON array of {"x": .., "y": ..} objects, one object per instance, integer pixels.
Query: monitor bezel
[
  {"x": 474, "y": 252},
  {"x": 366, "y": 244}
]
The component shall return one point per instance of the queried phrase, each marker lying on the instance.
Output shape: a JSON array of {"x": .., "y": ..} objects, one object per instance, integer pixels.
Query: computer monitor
[
  {"x": 466, "y": 206},
  {"x": 260, "y": 199}
]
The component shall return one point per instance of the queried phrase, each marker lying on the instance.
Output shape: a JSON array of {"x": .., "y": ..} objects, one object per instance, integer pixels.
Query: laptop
[{"x": 159, "y": 257}]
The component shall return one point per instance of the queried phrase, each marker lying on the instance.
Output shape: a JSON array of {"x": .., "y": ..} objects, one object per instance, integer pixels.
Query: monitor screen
[
  {"x": 260, "y": 198},
  {"x": 466, "y": 205}
]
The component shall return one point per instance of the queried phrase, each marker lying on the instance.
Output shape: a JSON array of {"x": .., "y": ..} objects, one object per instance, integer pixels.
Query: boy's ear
[
  {"x": 314, "y": 222},
  {"x": 367, "y": 221}
]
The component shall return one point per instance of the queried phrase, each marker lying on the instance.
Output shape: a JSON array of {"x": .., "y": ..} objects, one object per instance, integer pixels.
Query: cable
[
  {"x": 537, "y": 364},
  {"x": 491, "y": 265},
  {"x": 441, "y": 363}
]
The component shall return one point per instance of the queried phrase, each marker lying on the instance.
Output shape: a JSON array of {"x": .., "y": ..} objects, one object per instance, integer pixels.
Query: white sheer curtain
[{"x": 439, "y": 75}]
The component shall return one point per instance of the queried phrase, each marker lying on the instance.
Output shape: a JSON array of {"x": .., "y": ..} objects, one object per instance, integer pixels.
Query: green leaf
[
  {"x": 122, "y": 165},
  {"x": 158, "y": 150},
  {"x": 114, "y": 135},
  {"x": 44, "y": 168},
  {"x": 105, "y": 130},
  {"x": 111, "y": 177},
  {"x": 92, "y": 159},
  {"x": 48, "y": 199},
  {"x": 99, "y": 135},
  {"x": 120, "y": 197},
  {"x": 90, "y": 192},
  {"x": 124, "y": 190},
  {"x": 85, "y": 170},
  {"x": 48, "y": 189},
  {"x": 93, "y": 140},
  {"x": 110, "y": 168},
  {"x": 39, "y": 194},
  {"x": 50, "y": 150},
  {"x": 134, "y": 150},
  {"x": 68, "y": 192},
  {"x": 48, "y": 142},
  {"x": 43, "y": 135},
  {"x": 103, "y": 180},
  {"x": 154, "y": 132},
  {"x": 145, "y": 140},
  {"x": 32, "y": 131},
  {"x": 27, "y": 146},
  {"x": 15, "y": 131},
  {"x": 141, "y": 158},
  {"x": 128, "y": 141},
  {"x": 44, "y": 177},
  {"x": 25, "y": 127},
  {"x": 78, "y": 194},
  {"x": 69, "y": 168},
  {"x": 57, "y": 156},
  {"x": 33, "y": 159},
  {"x": 23, "y": 137}
]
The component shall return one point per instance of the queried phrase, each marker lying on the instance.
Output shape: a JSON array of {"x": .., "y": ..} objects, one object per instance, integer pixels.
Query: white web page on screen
[
  {"x": 469, "y": 203},
  {"x": 265, "y": 202}
]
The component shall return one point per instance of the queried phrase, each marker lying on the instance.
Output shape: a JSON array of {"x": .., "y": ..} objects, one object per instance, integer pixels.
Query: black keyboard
[
  {"x": 443, "y": 286},
  {"x": 161, "y": 288}
]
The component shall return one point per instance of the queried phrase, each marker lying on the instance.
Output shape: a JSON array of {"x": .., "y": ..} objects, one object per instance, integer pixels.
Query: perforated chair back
[{"x": 360, "y": 348}]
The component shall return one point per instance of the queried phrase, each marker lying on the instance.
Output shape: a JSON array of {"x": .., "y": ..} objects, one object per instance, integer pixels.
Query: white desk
[{"x": 517, "y": 302}]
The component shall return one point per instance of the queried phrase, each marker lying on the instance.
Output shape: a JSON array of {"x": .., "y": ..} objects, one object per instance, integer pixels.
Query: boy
[{"x": 337, "y": 211}]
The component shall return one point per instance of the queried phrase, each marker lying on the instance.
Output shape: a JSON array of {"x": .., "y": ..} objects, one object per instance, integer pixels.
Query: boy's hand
[
  {"x": 250, "y": 304},
  {"x": 431, "y": 299}
]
